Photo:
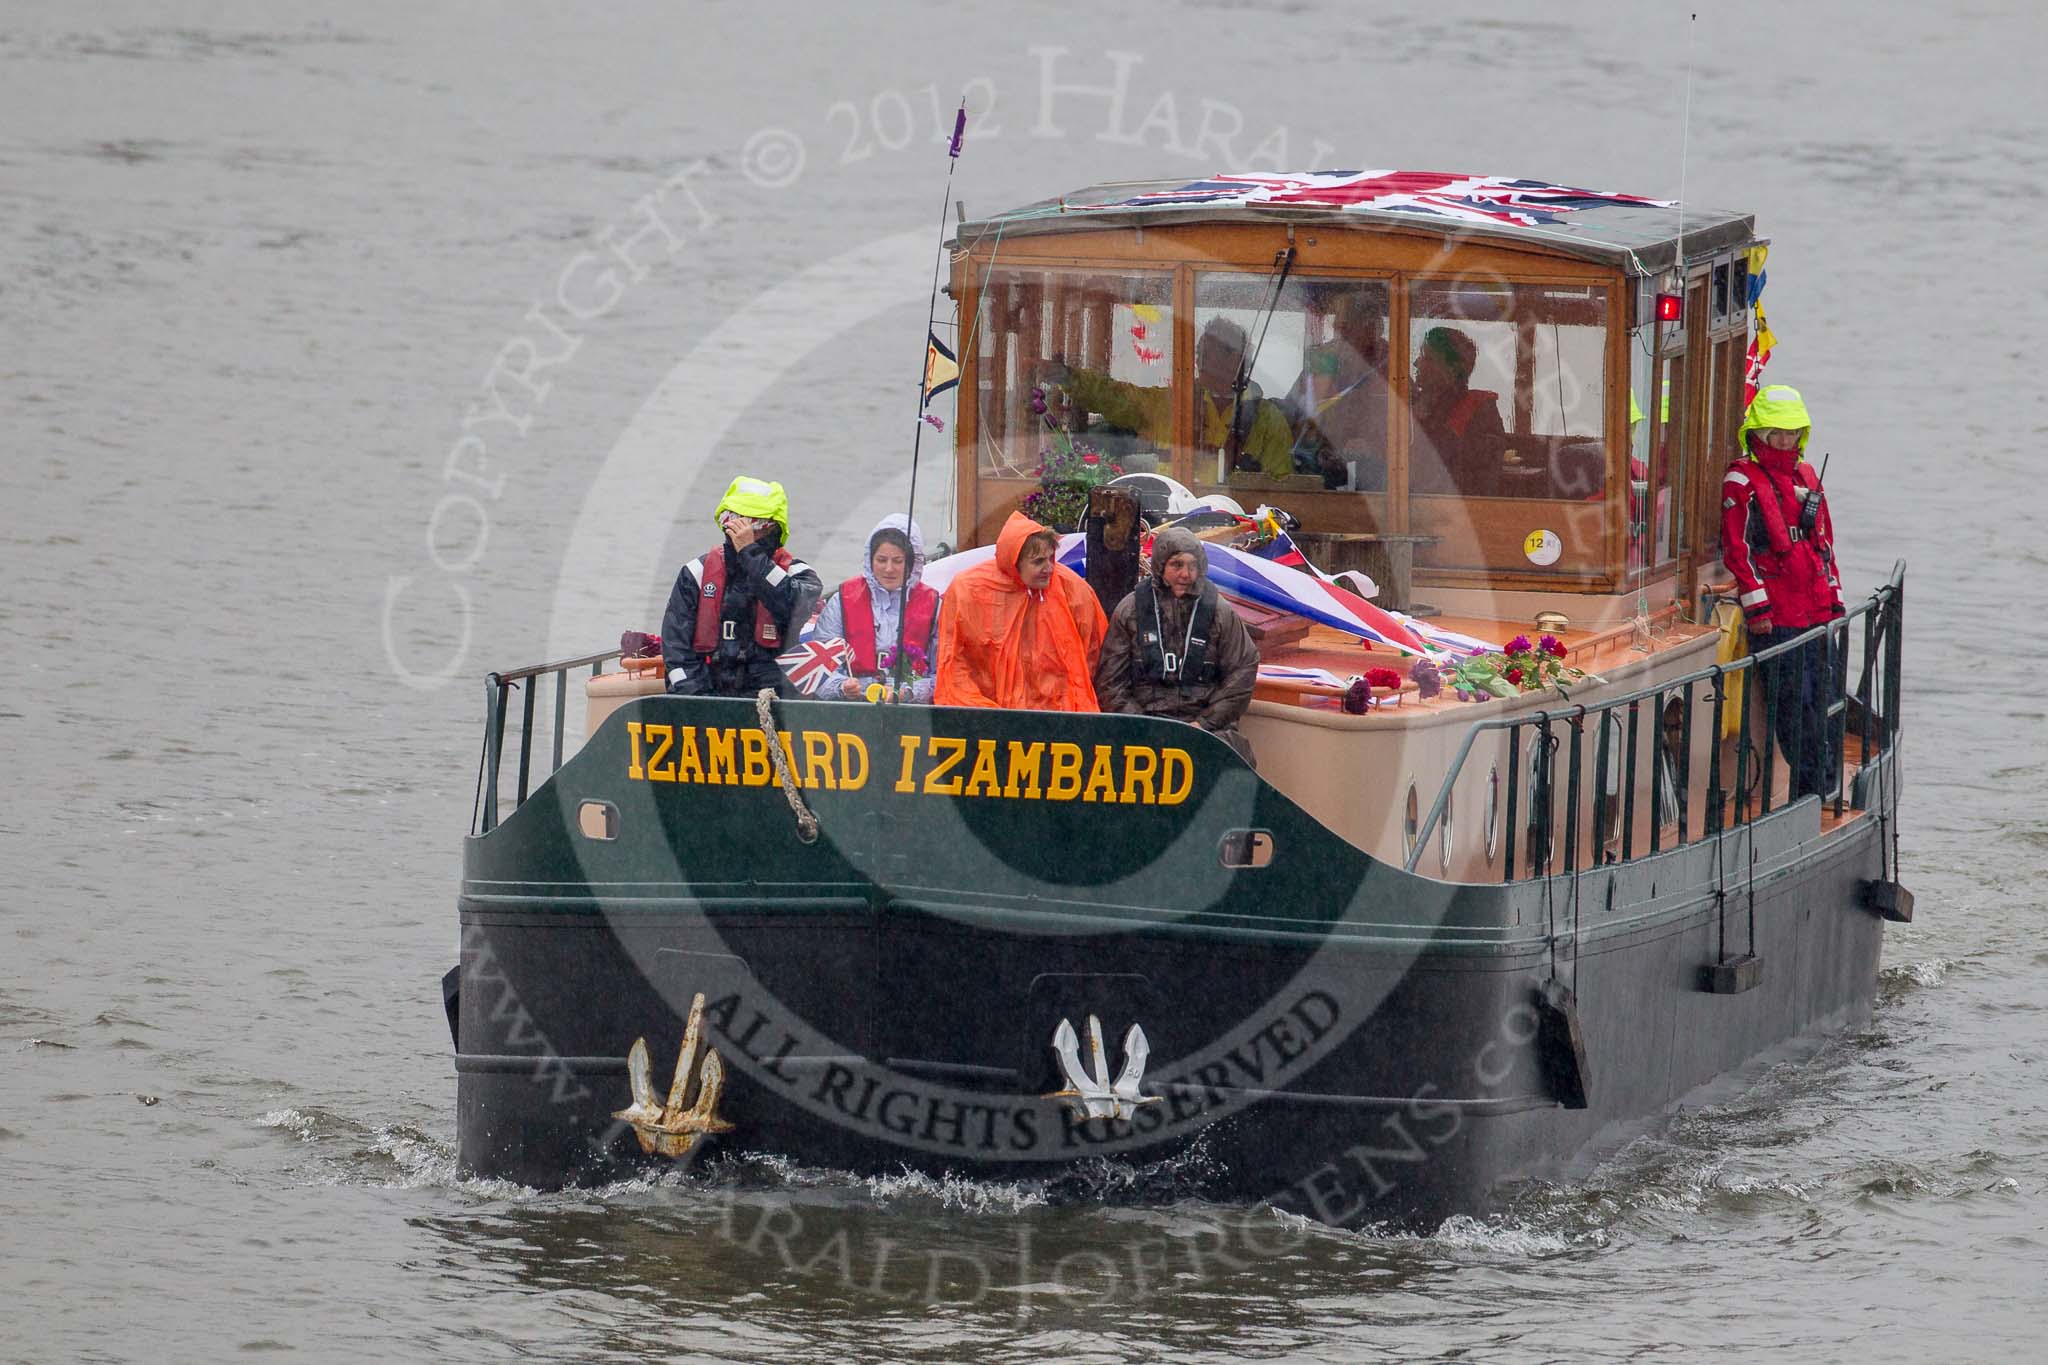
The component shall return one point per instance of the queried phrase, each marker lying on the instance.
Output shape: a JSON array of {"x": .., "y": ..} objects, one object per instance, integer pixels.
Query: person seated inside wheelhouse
[
  {"x": 1264, "y": 441},
  {"x": 1458, "y": 441},
  {"x": 1339, "y": 404}
]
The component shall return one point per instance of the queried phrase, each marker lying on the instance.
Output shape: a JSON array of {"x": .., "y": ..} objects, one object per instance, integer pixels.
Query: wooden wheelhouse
[{"x": 1105, "y": 296}]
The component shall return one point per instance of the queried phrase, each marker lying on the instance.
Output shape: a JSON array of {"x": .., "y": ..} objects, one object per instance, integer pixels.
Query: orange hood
[{"x": 1002, "y": 645}]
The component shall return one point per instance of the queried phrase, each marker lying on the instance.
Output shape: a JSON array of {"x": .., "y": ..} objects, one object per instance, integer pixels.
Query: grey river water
[{"x": 257, "y": 263}]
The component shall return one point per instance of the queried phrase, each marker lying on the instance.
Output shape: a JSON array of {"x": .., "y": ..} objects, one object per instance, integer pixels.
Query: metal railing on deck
[
  {"x": 498, "y": 688},
  {"x": 1555, "y": 739}
]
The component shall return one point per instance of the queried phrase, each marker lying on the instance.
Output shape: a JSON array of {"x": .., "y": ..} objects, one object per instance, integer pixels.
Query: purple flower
[
  {"x": 1552, "y": 645},
  {"x": 1428, "y": 682},
  {"x": 1519, "y": 645}
]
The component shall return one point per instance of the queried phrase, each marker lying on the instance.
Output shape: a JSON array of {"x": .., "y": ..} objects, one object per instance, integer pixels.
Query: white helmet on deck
[{"x": 1158, "y": 496}]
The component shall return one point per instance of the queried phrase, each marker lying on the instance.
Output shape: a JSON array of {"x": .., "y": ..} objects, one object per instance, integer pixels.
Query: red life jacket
[
  {"x": 858, "y": 613},
  {"x": 709, "y": 571},
  {"x": 1466, "y": 408}
]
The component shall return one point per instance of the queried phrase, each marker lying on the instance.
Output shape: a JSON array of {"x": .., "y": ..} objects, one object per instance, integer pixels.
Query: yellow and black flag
[{"x": 941, "y": 370}]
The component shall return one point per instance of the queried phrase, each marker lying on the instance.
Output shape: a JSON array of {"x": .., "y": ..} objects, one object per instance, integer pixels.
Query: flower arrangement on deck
[{"x": 1521, "y": 667}]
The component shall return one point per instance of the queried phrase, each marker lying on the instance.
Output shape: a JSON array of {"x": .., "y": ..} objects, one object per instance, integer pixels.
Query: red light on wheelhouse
[{"x": 1670, "y": 307}]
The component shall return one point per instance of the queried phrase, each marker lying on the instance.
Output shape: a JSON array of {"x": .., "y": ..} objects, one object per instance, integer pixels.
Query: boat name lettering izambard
[
  {"x": 1127, "y": 774},
  {"x": 738, "y": 757},
  {"x": 1419, "y": 951},
  {"x": 932, "y": 765}
]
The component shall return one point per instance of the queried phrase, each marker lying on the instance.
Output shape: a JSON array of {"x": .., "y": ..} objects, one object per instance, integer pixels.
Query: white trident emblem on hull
[
  {"x": 1092, "y": 1096},
  {"x": 672, "y": 1129}
]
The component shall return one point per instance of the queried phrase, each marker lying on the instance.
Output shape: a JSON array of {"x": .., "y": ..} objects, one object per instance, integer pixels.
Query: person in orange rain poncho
[{"x": 1021, "y": 631}]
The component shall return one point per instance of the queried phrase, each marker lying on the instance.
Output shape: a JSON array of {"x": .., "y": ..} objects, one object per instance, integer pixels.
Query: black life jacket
[{"x": 1185, "y": 662}]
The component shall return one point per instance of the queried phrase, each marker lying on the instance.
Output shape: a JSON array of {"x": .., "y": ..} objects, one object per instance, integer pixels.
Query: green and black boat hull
[{"x": 1325, "y": 1031}]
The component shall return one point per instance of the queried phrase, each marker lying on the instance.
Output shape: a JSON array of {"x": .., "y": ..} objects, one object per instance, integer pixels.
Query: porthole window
[
  {"x": 1246, "y": 848},
  {"x": 598, "y": 820},
  {"x": 1411, "y": 824},
  {"x": 1492, "y": 814},
  {"x": 1443, "y": 833}
]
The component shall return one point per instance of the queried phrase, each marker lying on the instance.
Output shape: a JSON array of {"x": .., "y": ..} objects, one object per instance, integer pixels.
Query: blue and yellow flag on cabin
[{"x": 941, "y": 370}]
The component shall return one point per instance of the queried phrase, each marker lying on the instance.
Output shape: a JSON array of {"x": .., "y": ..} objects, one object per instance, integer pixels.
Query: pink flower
[
  {"x": 1520, "y": 644},
  {"x": 1550, "y": 644},
  {"x": 1091, "y": 459}
]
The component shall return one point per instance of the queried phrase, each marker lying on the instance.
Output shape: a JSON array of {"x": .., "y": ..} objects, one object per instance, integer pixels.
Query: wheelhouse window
[
  {"x": 1644, "y": 399},
  {"x": 1507, "y": 450},
  {"x": 1098, "y": 346},
  {"x": 1668, "y": 440},
  {"x": 1315, "y": 415}
]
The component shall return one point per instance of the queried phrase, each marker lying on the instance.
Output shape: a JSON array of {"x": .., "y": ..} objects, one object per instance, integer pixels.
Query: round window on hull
[
  {"x": 1411, "y": 823},
  {"x": 1492, "y": 814},
  {"x": 1443, "y": 834}
]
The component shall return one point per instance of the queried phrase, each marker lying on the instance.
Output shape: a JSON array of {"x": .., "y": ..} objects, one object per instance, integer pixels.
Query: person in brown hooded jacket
[{"x": 1176, "y": 649}]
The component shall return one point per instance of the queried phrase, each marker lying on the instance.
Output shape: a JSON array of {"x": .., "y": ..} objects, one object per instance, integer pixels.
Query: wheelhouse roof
[{"x": 1635, "y": 233}]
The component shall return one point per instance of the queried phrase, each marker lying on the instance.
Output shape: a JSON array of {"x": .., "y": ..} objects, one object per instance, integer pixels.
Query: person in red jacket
[{"x": 1779, "y": 541}]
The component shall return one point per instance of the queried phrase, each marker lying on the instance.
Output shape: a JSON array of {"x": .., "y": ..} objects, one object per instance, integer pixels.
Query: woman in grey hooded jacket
[{"x": 868, "y": 613}]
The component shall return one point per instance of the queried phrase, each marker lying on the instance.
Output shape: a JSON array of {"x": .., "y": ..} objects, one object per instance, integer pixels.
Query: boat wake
[
  {"x": 1902, "y": 977},
  {"x": 400, "y": 1156}
]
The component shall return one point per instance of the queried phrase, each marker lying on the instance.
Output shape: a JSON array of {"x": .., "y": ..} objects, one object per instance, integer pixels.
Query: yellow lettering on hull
[{"x": 932, "y": 765}]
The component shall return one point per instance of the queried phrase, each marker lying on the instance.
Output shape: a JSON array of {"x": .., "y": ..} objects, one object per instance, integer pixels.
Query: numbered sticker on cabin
[{"x": 1543, "y": 548}]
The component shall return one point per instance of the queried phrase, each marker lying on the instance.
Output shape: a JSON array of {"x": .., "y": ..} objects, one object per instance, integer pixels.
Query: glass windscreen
[
  {"x": 1643, "y": 400},
  {"x": 1098, "y": 348},
  {"x": 1507, "y": 451},
  {"x": 1670, "y": 456},
  {"x": 1314, "y": 416}
]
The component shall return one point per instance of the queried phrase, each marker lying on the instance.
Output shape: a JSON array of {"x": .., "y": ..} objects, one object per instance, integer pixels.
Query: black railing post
[
  {"x": 1514, "y": 789},
  {"x": 1571, "y": 791},
  {"x": 1716, "y": 795},
  {"x": 561, "y": 715},
  {"x": 1838, "y": 713},
  {"x": 1893, "y": 657},
  {"x": 1542, "y": 801},
  {"x": 1772, "y": 703},
  {"x": 1628, "y": 786},
  {"x": 1742, "y": 744},
  {"x": 494, "y": 746},
  {"x": 1713, "y": 762},
  {"x": 1683, "y": 787},
  {"x": 1603, "y": 750},
  {"x": 526, "y": 734}
]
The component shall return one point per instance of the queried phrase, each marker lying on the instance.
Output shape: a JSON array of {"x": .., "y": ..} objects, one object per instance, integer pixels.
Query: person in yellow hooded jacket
[
  {"x": 1021, "y": 631},
  {"x": 736, "y": 607}
]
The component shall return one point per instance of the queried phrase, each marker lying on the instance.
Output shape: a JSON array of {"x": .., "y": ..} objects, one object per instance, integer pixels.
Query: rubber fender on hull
[
  {"x": 451, "y": 1001},
  {"x": 1562, "y": 1044}
]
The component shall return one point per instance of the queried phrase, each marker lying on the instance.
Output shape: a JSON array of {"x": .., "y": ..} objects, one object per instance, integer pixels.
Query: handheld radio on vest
[{"x": 1809, "y": 501}]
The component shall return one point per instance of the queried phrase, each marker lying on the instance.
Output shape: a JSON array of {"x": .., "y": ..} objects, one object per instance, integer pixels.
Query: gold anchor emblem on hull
[{"x": 674, "y": 1129}]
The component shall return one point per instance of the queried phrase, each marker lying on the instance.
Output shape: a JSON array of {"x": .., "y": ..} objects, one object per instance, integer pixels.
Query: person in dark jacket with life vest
[
  {"x": 871, "y": 610},
  {"x": 1778, "y": 540},
  {"x": 737, "y": 607},
  {"x": 1176, "y": 649}
]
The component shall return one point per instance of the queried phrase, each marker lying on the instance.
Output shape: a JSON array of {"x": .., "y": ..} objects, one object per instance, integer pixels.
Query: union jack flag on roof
[
  {"x": 1631, "y": 230},
  {"x": 1474, "y": 198}
]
